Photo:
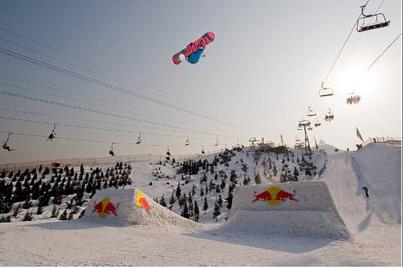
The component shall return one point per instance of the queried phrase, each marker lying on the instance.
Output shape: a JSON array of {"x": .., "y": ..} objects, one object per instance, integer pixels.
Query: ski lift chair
[
  {"x": 5, "y": 145},
  {"x": 353, "y": 99},
  {"x": 111, "y": 151},
  {"x": 317, "y": 124},
  {"x": 329, "y": 116},
  {"x": 52, "y": 135},
  {"x": 325, "y": 91},
  {"x": 311, "y": 112},
  {"x": 139, "y": 139},
  {"x": 371, "y": 21}
]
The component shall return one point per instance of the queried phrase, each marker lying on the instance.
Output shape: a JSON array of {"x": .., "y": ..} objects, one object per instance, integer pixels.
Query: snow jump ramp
[
  {"x": 122, "y": 207},
  {"x": 303, "y": 209}
]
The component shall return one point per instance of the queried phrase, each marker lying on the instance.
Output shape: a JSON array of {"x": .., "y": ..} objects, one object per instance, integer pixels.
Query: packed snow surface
[{"x": 374, "y": 224}]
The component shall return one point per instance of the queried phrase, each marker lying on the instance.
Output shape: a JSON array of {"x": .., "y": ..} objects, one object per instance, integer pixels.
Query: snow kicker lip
[{"x": 309, "y": 211}]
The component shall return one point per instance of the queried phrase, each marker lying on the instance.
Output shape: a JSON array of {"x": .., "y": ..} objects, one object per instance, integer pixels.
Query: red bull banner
[
  {"x": 274, "y": 196},
  {"x": 142, "y": 202},
  {"x": 105, "y": 207}
]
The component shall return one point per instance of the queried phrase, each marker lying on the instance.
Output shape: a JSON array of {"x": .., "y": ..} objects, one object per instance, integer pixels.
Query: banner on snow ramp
[
  {"x": 296, "y": 209},
  {"x": 131, "y": 206},
  {"x": 110, "y": 206}
]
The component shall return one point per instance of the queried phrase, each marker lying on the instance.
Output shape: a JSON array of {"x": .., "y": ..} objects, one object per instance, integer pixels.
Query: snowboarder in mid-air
[{"x": 194, "y": 51}]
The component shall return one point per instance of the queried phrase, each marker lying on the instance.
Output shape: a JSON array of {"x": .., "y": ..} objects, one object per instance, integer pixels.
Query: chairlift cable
[
  {"x": 342, "y": 47},
  {"x": 339, "y": 54},
  {"x": 83, "y": 68},
  {"x": 379, "y": 7},
  {"x": 93, "y": 121},
  {"x": 84, "y": 140},
  {"x": 88, "y": 127},
  {"x": 383, "y": 52},
  {"x": 112, "y": 87},
  {"x": 89, "y": 63},
  {"x": 98, "y": 101},
  {"x": 375, "y": 61},
  {"x": 106, "y": 113}
]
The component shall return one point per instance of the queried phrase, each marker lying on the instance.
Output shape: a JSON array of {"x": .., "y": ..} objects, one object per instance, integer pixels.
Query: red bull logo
[
  {"x": 105, "y": 207},
  {"x": 274, "y": 196},
  {"x": 141, "y": 201}
]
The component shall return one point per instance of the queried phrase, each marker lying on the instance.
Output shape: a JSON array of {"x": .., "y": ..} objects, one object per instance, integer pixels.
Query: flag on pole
[{"x": 359, "y": 135}]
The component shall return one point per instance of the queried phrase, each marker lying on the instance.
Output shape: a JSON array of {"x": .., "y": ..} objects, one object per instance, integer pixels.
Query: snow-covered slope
[
  {"x": 378, "y": 167},
  {"x": 242, "y": 164},
  {"x": 327, "y": 148},
  {"x": 373, "y": 221},
  {"x": 375, "y": 235}
]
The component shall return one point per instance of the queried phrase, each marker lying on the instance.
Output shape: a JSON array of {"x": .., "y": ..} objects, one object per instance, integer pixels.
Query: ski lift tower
[{"x": 304, "y": 124}]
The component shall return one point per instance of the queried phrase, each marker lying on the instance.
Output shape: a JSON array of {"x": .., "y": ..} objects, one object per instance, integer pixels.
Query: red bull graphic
[
  {"x": 105, "y": 207},
  {"x": 274, "y": 196},
  {"x": 141, "y": 201}
]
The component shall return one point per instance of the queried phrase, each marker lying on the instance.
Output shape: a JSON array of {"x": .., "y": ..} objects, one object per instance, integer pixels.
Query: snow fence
[
  {"x": 131, "y": 207},
  {"x": 291, "y": 209}
]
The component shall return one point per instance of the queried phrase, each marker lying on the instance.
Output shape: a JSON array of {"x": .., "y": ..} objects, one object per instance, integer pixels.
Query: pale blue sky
[{"x": 261, "y": 72}]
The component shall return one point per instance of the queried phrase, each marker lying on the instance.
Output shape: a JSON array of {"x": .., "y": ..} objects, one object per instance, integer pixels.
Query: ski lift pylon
[
  {"x": 368, "y": 22},
  {"x": 325, "y": 91}
]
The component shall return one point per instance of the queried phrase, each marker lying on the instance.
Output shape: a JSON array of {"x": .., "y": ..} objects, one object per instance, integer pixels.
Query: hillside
[
  {"x": 373, "y": 221},
  {"x": 209, "y": 177}
]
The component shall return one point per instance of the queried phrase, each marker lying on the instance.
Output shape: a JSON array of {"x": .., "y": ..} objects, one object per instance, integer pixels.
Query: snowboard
[{"x": 193, "y": 47}]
